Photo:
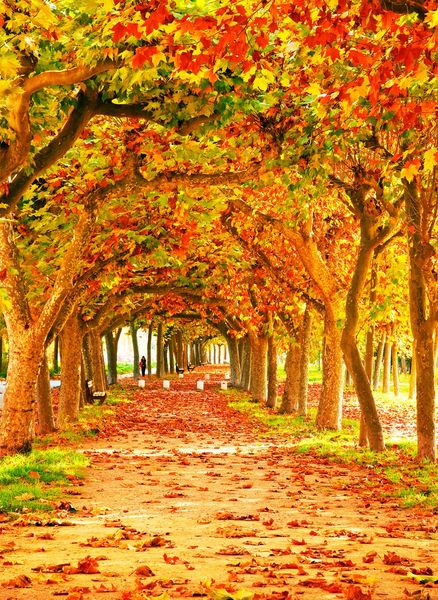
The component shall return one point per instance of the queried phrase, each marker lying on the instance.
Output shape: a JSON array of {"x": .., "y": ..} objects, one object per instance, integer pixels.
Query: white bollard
[
  {"x": 227, "y": 375},
  {"x": 207, "y": 376},
  {"x": 199, "y": 384},
  {"x": 141, "y": 383},
  {"x": 166, "y": 384},
  {"x": 224, "y": 385},
  {"x": 180, "y": 375}
]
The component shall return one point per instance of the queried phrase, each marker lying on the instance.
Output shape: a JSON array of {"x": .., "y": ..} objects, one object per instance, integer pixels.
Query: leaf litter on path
[{"x": 177, "y": 476}]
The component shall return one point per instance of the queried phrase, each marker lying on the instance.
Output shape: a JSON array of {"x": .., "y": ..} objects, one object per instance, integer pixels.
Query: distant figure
[{"x": 143, "y": 366}]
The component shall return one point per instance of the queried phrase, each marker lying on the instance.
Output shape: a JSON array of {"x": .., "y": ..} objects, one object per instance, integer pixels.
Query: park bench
[
  {"x": 92, "y": 396},
  {"x": 180, "y": 370}
]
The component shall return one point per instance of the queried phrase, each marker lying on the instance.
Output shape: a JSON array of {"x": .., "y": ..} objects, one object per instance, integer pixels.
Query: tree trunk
[
  {"x": 97, "y": 362},
  {"x": 289, "y": 401},
  {"x": 259, "y": 366},
  {"x": 159, "y": 371},
  {"x": 378, "y": 363},
  {"x": 386, "y": 367},
  {"x": 235, "y": 368},
  {"x": 46, "y": 421},
  {"x": 56, "y": 354},
  {"x": 17, "y": 421},
  {"x": 87, "y": 363},
  {"x": 303, "y": 387},
  {"x": 171, "y": 355},
  {"x": 246, "y": 364},
  {"x": 413, "y": 374},
  {"x": 149, "y": 348},
  {"x": 395, "y": 381},
  {"x": 348, "y": 341},
  {"x": 330, "y": 404},
  {"x": 179, "y": 349},
  {"x": 111, "y": 356},
  {"x": 166, "y": 358},
  {"x": 135, "y": 367},
  {"x": 71, "y": 361},
  {"x": 272, "y": 373},
  {"x": 422, "y": 319}
]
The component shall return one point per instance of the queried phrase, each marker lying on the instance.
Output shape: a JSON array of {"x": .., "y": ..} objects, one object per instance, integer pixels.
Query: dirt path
[{"x": 185, "y": 493}]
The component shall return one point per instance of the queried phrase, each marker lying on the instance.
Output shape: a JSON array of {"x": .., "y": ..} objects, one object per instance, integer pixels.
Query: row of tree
[{"x": 244, "y": 164}]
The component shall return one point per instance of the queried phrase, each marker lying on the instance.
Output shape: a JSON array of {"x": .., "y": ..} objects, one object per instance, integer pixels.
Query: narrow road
[{"x": 185, "y": 497}]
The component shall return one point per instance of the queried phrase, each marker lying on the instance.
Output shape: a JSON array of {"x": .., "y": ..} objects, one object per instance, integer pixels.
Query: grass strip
[{"x": 414, "y": 484}]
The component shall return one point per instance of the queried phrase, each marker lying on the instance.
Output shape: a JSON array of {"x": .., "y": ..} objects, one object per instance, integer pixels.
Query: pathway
[{"x": 184, "y": 497}]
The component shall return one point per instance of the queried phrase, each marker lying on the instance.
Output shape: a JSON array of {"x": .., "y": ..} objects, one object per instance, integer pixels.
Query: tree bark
[
  {"x": 149, "y": 348},
  {"x": 386, "y": 367},
  {"x": 395, "y": 381},
  {"x": 303, "y": 388},
  {"x": 246, "y": 364},
  {"x": 235, "y": 368},
  {"x": 330, "y": 405},
  {"x": 378, "y": 362},
  {"x": 71, "y": 360},
  {"x": 348, "y": 341},
  {"x": 423, "y": 318},
  {"x": 111, "y": 356},
  {"x": 413, "y": 374},
  {"x": 97, "y": 362},
  {"x": 56, "y": 354},
  {"x": 46, "y": 420},
  {"x": 259, "y": 366},
  {"x": 289, "y": 401},
  {"x": 135, "y": 367},
  {"x": 272, "y": 372},
  {"x": 172, "y": 355},
  {"x": 159, "y": 371}
]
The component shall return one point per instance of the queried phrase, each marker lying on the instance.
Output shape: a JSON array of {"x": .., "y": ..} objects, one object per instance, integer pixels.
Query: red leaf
[{"x": 142, "y": 55}]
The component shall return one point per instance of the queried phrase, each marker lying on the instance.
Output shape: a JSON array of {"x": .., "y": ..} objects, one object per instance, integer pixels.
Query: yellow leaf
[
  {"x": 314, "y": 89},
  {"x": 410, "y": 169},
  {"x": 430, "y": 159},
  {"x": 432, "y": 19}
]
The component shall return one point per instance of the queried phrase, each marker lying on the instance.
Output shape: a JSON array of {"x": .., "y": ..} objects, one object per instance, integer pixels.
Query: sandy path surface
[{"x": 185, "y": 497}]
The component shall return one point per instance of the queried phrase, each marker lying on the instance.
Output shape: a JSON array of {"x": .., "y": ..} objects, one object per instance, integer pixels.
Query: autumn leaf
[{"x": 21, "y": 581}]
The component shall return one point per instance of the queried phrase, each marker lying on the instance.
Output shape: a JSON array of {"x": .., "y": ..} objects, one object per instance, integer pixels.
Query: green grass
[
  {"x": 33, "y": 482},
  {"x": 414, "y": 484}
]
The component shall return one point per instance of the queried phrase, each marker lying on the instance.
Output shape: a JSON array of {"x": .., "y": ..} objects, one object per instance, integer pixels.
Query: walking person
[{"x": 143, "y": 366}]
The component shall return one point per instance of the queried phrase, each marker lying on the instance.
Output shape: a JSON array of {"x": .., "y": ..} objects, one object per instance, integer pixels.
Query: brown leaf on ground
[
  {"x": 234, "y": 531},
  {"x": 87, "y": 566},
  {"x": 354, "y": 592},
  {"x": 21, "y": 581},
  {"x": 391, "y": 558},
  {"x": 144, "y": 571}
]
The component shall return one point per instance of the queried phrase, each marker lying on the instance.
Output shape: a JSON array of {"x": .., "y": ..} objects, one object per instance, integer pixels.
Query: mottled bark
[
  {"x": 272, "y": 373},
  {"x": 348, "y": 340},
  {"x": 46, "y": 420},
  {"x": 413, "y": 374},
  {"x": 289, "y": 400},
  {"x": 378, "y": 362},
  {"x": 306, "y": 329},
  {"x": 330, "y": 404},
  {"x": 423, "y": 306},
  {"x": 259, "y": 366},
  {"x": 395, "y": 381},
  {"x": 71, "y": 361},
  {"x": 111, "y": 357},
  {"x": 235, "y": 368},
  {"x": 135, "y": 367},
  {"x": 246, "y": 364},
  {"x": 149, "y": 347},
  {"x": 386, "y": 367},
  {"x": 97, "y": 362},
  {"x": 159, "y": 355},
  {"x": 56, "y": 354}
]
